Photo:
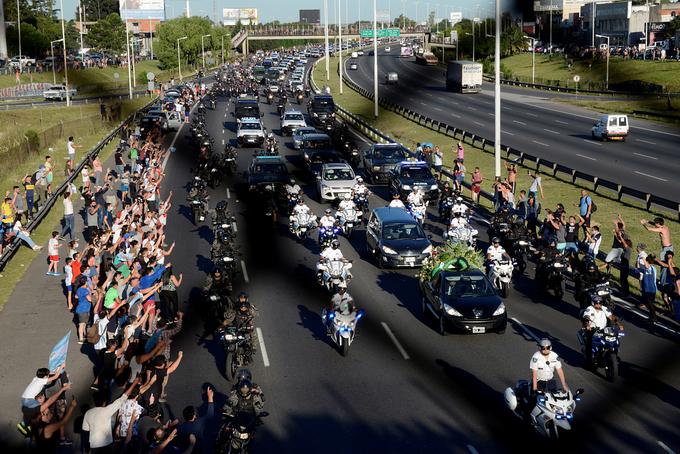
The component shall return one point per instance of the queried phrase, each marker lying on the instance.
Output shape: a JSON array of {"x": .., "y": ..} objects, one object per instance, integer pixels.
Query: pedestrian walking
[
  {"x": 476, "y": 186},
  {"x": 69, "y": 219},
  {"x": 49, "y": 174},
  {"x": 536, "y": 186},
  {"x": 624, "y": 267}
]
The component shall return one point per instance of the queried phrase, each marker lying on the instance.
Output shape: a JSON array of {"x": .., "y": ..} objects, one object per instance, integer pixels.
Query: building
[
  {"x": 310, "y": 16},
  {"x": 143, "y": 31},
  {"x": 622, "y": 22}
]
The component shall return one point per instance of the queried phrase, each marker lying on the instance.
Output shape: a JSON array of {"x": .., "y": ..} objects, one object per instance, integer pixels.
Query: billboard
[
  {"x": 455, "y": 17},
  {"x": 310, "y": 16},
  {"x": 142, "y": 9},
  {"x": 246, "y": 15}
]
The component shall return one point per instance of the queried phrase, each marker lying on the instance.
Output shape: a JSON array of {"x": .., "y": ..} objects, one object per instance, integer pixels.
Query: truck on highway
[
  {"x": 406, "y": 52},
  {"x": 58, "y": 93},
  {"x": 464, "y": 76},
  {"x": 426, "y": 58}
]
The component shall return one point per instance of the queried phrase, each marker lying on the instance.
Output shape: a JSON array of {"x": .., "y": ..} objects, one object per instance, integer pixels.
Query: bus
[{"x": 406, "y": 52}]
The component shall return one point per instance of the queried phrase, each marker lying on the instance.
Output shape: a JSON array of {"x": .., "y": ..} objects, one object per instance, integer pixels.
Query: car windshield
[
  {"x": 271, "y": 168},
  {"x": 294, "y": 117},
  {"x": 403, "y": 231},
  {"x": 338, "y": 174},
  {"x": 326, "y": 104},
  {"x": 318, "y": 144},
  {"x": 247, "y": 109},
  {"x": 416, "y": 173},
  {"x": 303, "y": 131},
  {"x": 389, "y": 153},
  {"x": 457, "y": 286},
  {"x": 250, "y": 126},
  {"x": 324, "y": 157}
]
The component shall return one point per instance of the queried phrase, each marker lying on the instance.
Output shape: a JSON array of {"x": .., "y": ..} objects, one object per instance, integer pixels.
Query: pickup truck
[
  {"x": 58, "y": 92},
  {"x": 25, "y": 61}
]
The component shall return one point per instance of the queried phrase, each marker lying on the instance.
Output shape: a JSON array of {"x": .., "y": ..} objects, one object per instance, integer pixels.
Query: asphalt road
[
  {"x": 647, "y": 161},
  {"x": 443, "y": 395}
]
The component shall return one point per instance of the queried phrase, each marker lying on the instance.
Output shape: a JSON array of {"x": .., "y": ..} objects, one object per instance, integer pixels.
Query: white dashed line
[
  {"x": 478, "y": 123},
  {"x": 437, "y": 109},
  {"x": 471, "y": 108},
  {"x": 540, "y": 143},
  {"x": 454, "y": 102},
  {"x": 233, "y": 227},
  {"x": 492, "y": 114},
  {"x": 263, "y": 349},
  {"x": 395, "y": 341},
  {"x": 561, "y": 122},
  {"x": 531, "y": 115},
  {"x": 592, "y": 142},
  {"x": 665, "y": 447},
  {"x": 508, "y": 133},
  {"x": 507, "y": 108},
  {"x": 525, "y": 329},
  {"x": 245, "y": 272},
  {"x": 645, "y": 156},
  {"x": 455, "y": 115},
  {"x": 519, "y": 122},
  {"x": 222, "y": 141},
  {"x": 551, "y": 131},
  {"x": 228, "y": 194},
  {"x": 586, "y": 157},
  {"x": 650, "y": 176},
  {"x": 423, "y": 104},
  {"x": 645, "y": 141}
]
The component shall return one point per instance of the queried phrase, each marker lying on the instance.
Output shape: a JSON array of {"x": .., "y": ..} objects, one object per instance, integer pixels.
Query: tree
[
  {"x": 108, "y": 34},
  {"x": 513, "y": 41},
  {"x": 99, "y": 9},
  {"x": 430, "y": 18},
  {"x": 672, "y": 27},
  {"x": 165, "y": 44}
]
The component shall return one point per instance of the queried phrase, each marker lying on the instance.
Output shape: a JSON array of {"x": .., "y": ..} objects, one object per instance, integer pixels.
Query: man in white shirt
[
  {"x": 71, "y": 149},
  {"x": 595, "y": 318},
  {"x": 69, "y": 218},
  {"x": 98, "y": 421},
  {"x": 396, "y": 202},
  {"x": 543, "y": 365},
  {"x": 495, "y": 253}
]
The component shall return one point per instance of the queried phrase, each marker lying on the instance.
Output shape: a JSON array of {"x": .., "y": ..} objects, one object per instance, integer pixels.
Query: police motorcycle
[
  {"x": 327, "y": 235},
  {"x": 418, "y": 211},
  {"x": 501, "y": 276},
  {"x": 300, "y": 96},
  {"x": 361, "y": 202},
  {"x": 198, "y": 200},
  {"x": 553, "y": 280},
  {"x": 271, "y": 145},
  {"x": 519, "y": 251},
  {"x": 445, "y": 206},
  {"x": 341, "y": 327},
  {"x": 552, "y": 412},
  {"x": 348, "y": 218},
  {"x": 229, "y": 159},
  {"x": 335, "y": 273},
  {"x": 238, "y": 348},
  {"x": 301, "y": 224}
]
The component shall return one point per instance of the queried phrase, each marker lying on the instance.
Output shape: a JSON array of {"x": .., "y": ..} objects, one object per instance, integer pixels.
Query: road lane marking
[
  {"x": 395, "y": 341},
  {"x": 454, "y": 102},
  {"x": 540, "y": 143},
  {"x": 437, "y": 109},
  {"x": 592, "y": 142},
  {"x": 478, "y": 123},
  {"x": 423, "y": 104},
  {"x": 508, "y": 133},
  {"x": 531, "y": 114},
  {"x": 586, "y": 157},
  {"x": 471, "y": 108},
  {"x": 492, "y": 114},
  {"x": 245, "y": 272},
  {"x": 551, "y": 131},
  {"x": 233, "y": 227},
  {"x": 455, "y": 115},
  {"x": 507, "y": 108},
  {"x": 665, "y": 447},
  {"x": 411, "y": 99},
  {"x": 472, "y": 449},
  {"x": 263, "y": 349},
  {"x": 525, "y": 329},
  {"x": 650, "y": 176},
  {"x": 222, "y": 141},
  {"x": 228, "y": 194},
  {"x": 561, "y": 122},
  {"x": 519, "y": 122},
  {"x": 645, "y": 141},
  {"x": 646, "y": 156}
]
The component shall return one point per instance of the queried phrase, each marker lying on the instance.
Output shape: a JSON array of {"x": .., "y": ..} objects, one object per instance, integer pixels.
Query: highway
[{"x": 647, "y": 161}]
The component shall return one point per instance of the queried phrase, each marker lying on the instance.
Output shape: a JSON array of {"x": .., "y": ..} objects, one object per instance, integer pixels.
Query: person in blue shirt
[
  {"x": 83, "y": 308},
  {"x": 191, "y": 432},
  {"x": 585, "y": 206}
]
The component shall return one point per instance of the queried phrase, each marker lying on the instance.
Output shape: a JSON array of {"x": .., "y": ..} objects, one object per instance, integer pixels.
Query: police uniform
[
  {"x": 597, "y": 319},
  {"x": 545, "y": 369}
]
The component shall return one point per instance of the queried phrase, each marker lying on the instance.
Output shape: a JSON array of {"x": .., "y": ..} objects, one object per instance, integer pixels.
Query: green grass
[
  {"x": 556, "y": 190},
  {"x": 551, "y": 70}
]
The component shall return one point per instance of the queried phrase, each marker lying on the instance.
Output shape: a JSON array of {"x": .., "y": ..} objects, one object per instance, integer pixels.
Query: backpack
[{"x": 593, "y": 207}]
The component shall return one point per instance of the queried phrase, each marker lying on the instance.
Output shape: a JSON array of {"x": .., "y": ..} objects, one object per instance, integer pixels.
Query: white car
[
  {"x": 353, "y": 66},
  {"x": 388, "y": 49},
  {"x": 58, "y": 93},
  {"x": 611, "y": 127},
  {"x": 250, "y": 132},
  {"x": 360, "y": 53},
  {"x": 25, "y": 61},
  {"x": 335, "y": 180},
  {"x": 291, "y": 120}
]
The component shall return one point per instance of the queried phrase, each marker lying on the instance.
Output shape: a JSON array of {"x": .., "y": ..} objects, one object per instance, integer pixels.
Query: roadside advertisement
[
  {"x": 547, "y": 5},
  {"x": 455, "y": 17},
  {"x": 142, "y": 9},
  {"x": 247, "y": 16}
]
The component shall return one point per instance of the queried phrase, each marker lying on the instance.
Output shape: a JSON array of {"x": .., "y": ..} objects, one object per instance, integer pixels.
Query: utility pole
[
  {"x": 21, "y": 66},
  {"x": 340, "y": 40},
  {"x": 497, "y": 92},
  {"x": 3, "y": 32},
  {"x": 179, "y": 59},
  {"x": 63, "y": 37},
  {"x": 81, "y": 15},
  {"x": 127, "y": 48},
  {"x": 375, "y": 58},
  {"x": 325, "y": 15}
]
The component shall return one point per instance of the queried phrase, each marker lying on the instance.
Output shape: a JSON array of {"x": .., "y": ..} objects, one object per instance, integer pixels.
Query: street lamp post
[
  {"x": 81, "y": 15},
  {"x": 134, "y": 66},
  {"x": 340, "y": 40},
  {"x": 325, "y": 15},
  {"x": 127, "y": 46},
  {"x": 551, "y": 8},
  {"x": 607, "y": 74},
  {"x": 63, "y": 37},
  {"x": 179, "y": 59},
  {"x": 203, "y": 48},
  {"x": 222, "y": 50},
  {"x": 497, "y": 92},
  {"x": 375, "y": 58},
  {"x": 19, "y": 30},
  {"x": 54, "y": 71},
  {"x": 533, "y": 57}
]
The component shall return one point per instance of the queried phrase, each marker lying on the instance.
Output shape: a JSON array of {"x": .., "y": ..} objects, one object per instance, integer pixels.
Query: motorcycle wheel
[
  {"x": 611, "y": 367},
  {"x": 344, "y": 346},
  {"x": 349, "y": 232},
  {"x": 230, "y": 366},
  {"x": 505, "y": 290},
  {"x": 553, "y": 433},
  {"x": 521, "y": 264},
  {"x": 559, "y": 292}
]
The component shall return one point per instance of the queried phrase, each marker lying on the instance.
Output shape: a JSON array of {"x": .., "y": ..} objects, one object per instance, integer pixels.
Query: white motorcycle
[
  {"x": 341, "y": 328},
  {"x": 335, "y": 272},
  {"x": 349, "y": 217},
  {"x": 501, "y": 275},
  {"x": 553, "y": 412},
  {"x": 464, "y": 234},
  {"x": 301, "y": 224},
  {"x": 418, "y": 212}
]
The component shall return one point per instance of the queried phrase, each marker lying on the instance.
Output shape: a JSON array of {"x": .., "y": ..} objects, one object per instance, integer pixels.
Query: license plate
[
  {"x": 478, "y": 330},
  {"x": 410, "y": 261}
]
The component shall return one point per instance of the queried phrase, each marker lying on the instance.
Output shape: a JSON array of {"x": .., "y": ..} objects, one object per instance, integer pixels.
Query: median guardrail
[
  {"x": 525, "y": 159},
  {"x": 14, "y": 246}
]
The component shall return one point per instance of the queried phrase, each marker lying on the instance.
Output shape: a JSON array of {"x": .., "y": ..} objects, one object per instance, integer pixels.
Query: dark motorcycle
[
  {"x": 198, "y": 209},
  {"x": 300, "y": 97},
  {"x": 553, "y": 277},
  {"x": 270, "y": 97},
  {"x": 361, "y": 202},
  {"x": 238, "y": 347},
  {"x": 584, "y": 294},
  {"x": 237, "y": 433},
  {"x": 605, "y": 350},
  {"x": 229, "y": 159},
  {"x": 519, "y": 252},
  {"x": 445, "y": 206}
]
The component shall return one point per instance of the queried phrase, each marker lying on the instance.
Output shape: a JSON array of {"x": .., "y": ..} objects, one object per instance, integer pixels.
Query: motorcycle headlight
[
  {"x": 388, "y": 250},
  {"x": 315, "y": 115},
  {"x": 451, "y": 311},
  {"x": 523, "y": 243},
  {"x": 602, "y": 292},
  {"x": 427, "y": 250},
  {"x": 500, "y": 310},
  {"x": 376, "y": 168},
  {"x": 230, "y": 337},
  {"x": 227, "y": 259},
  {"x": 433, "y": 187},
  {"x": 405, "y": 187},
  {"x": 214, "y": 298},
  {"x": 243, "y": 435}
]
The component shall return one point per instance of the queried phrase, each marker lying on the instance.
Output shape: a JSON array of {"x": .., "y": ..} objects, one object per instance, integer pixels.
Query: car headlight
[
  {"x": 428, "y": 250},
  {"x": 315, "y": 115},
  {"x": 451, "y": 311},
  {"x": 433, "y": 187},
  {"x": 388, "y": 250},
  {"x": 376, "y": 168},
  {"x": 500, "y": 310},
  {"x": 405, "y": 187}
]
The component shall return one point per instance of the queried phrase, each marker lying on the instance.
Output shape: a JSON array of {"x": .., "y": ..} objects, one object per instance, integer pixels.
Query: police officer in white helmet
[{"x": 543, "y": 365}]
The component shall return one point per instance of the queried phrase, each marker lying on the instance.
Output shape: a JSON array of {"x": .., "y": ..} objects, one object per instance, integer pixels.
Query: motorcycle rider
[
  {"x": 459, "y": 207},
  {"x": 584, "y": 281},
  {"x": 396, "y": 202},
  {"x": 594, "y": 319},
  {"x": 416, "y": 197},
  {"x": 243, "y": 318},
  {"x": 345, "y": 204},
  {"x": 457, "y": 220},
  {"x": 543, "y": 365},
  {"x": 547, "y": 255},
  {"x": 495, "y": 253},
  {"x": 341, "y": 302},
  {"x": 300, "y": 208},
  {"x": 292, "y": 188},
  {"x": 222, "y": 215},
  {"x": 198, "y": 191},
  {"x": 360, "y": 188},
  {"x": 244, "y": 398},
  {"x": 329, "y": 254}
]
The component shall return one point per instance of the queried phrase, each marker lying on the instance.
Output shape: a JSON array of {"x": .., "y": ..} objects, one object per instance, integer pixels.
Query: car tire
[
  {"x": 423, "y": 306},
  {"x": 379, "y": 258},
  {"x": 441, "y": 326}
]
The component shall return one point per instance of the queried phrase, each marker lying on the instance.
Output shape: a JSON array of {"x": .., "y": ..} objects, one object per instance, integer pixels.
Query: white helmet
[
  {"x": 348, "y": 196},
  {"x": 360, "y": 180}
]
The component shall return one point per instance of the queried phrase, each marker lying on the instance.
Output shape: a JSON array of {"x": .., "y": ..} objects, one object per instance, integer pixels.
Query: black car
[
  {"x": 381, "y": 158},
  {"x": 246, "y": 106},
  {"x": 396, "y": 239},
  {"x": 147, "y": 123},
  {"x": 267, "y": 170},
  {"x": 315, "y": 159},
  {"x": 463, "y": 300},
  {"x": 407, "y": 176},
  {"x": 321, "y": 110}
]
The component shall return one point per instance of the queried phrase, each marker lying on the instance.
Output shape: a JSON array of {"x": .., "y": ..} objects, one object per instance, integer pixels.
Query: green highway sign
[{"x": 382, "y": 33}]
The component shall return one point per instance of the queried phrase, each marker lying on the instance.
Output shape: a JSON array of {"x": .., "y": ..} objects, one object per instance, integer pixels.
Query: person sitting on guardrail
[{"x": 23, "y": 234}]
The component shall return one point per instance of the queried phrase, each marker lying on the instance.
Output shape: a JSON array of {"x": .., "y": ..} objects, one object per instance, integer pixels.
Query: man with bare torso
[{"x": 663, "y": 231}]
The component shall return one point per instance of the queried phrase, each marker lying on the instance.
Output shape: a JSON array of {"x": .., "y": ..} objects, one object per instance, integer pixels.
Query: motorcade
[
  {"x": 335, "y": 180},
  {"x": 395, "y": 239}
]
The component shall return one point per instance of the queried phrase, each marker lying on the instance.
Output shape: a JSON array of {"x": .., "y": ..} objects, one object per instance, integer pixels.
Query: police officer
[
  {"x": 584, "y": 281},
  {"x": 495, "y": 253},
  {"x": 543, "y": 365},
  {"x": 595, "y": 318},
  {"x": 243, "y": 318},
  {"x": 244, "y": 398}
]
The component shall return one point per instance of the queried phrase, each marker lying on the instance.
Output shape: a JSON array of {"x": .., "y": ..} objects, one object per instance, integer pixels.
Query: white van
[
  {"x": 391, "y": 78},
  {"x": 611, "y": 127},
  {"x": 355, "y": 54}
]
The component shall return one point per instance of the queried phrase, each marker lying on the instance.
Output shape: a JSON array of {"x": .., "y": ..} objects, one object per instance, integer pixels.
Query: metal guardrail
[
  {"x": 517, "y": 156},
  {"x": 11, "y": 249}
]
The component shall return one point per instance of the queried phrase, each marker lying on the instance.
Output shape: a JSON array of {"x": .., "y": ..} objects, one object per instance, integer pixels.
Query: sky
[{"x": 270, "y": 10}]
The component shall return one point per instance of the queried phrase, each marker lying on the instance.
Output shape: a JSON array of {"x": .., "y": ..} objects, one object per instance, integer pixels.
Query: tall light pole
[
  {"x": 222, "y": 50},
  {"x": 325, "y": 32},
  {"x": 19, "y": 30},
  {"x": 63, "y": 37},
  {"x": 82, "y": 27},
  {"x": 127, "y": 46},
  {"x": 592, "y": 22},
  {"x": 54, "y": 71},
  {"x": 533, "y": 57},
  {"x": 607, "y": 74},
  {"x": 203, "y": 48},
  {"x": 151, "y": 31},
  {"x": 497, "y": 92},
  {"x": 473, "y": 41},
  {"x": 403, "y": 14},
  {"x": 134, "y": 69},
  {"x": 340, "y": 40},
  {"x": 375, "y": 58},
  {"x": 179, "y": 59},
  {"x": 551, "y": 8}
]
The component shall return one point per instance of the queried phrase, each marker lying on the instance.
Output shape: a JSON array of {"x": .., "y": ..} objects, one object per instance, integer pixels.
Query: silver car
[
  {"x": 335, "y": 180},
  {"x": 299, "y": 133}
]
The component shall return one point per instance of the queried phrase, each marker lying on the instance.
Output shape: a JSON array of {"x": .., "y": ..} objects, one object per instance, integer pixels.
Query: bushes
[{"x": 32, "y": 140}]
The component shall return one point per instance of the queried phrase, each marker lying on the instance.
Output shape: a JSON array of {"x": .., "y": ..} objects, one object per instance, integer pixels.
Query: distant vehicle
[
  {"x": 611, "y": 127},
  {"x": 25, "y": 61},
  {"x": 360, "y": 53},
  {"x": 299, "y": 136},
  {"x": 391, "y": 78},
  {"x": 58, "y": 93},
  {"x": 388, "y": 49},
  {"x": 246, "y": 106},
  {"x": 464, "y": 76},
  {"x": 250, "y": 132},
  {"x": 291, "y": 120},
  {"x": 353, "y": 66},
  {"x": 406, "y": 52},
  {"x": 267, "y": 170},
  {"x": 426, "y": 58},
  {"x": 355, "y": 54},
  {"x": 322, "y": 111}
]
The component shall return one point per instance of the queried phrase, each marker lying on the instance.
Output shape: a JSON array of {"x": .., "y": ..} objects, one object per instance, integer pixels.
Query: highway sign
[
  {"x": 383, "y": 33},
  {"x": 577, "y": 78},
  {"x": 150, "y": 76},
  {"x": 454, "y": 36},
  {"x": 116, "y": 75},
  {"x": 455, "y": 17},
  {"x": 476, "y": 20}
]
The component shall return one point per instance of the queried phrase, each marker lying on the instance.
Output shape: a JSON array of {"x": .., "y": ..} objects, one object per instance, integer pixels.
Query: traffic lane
[{"x": 645, "y": 170}]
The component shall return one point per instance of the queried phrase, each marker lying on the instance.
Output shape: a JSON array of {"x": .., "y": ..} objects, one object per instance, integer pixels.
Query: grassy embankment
[{"x": 408, "y": 133}]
